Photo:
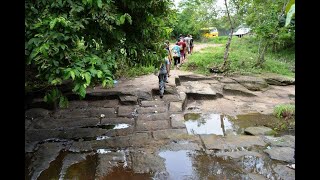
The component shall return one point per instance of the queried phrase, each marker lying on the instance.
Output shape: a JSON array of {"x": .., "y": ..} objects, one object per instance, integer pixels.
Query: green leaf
[
  {"x": 53, "y": 23},
  {"x": 104, "y": 83},
  {"x": 99, "y": 3},
  {"x": 34, "y": 53},
  {"x": 87, "y": 77},
  {"x": 288, "y": 7},
  {"x": 56, "y": 81},
  {"x": 72, "y": 74},
  {"x": 99, "y": 73},
  {"x": 82, "y": 91},
  {"x": 76, "y": 88},
  {"x": 290, "y": 14},
  {"x": 122, "y": 19},
  {"x": 63, "y": 102},
  {"x": 45, "y": 98}
]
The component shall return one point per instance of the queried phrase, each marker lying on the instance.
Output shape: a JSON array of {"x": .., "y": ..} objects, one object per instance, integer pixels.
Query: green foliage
[
  {"x": 87, "y": 41},
  {"x": 130, "y": 72},
  {"x": 266, "y": 20},
  {"x": 290, "y": 11},
  {"x": 284, "y": 111},
  {"x": 243, "y": 52}
]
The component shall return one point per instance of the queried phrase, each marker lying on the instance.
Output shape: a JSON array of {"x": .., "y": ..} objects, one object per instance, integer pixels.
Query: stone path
[{"x": 92, "y": 127}]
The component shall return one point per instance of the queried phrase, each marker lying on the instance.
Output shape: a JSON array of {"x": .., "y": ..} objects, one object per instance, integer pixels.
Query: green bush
[{"x": 284, "y": 111}]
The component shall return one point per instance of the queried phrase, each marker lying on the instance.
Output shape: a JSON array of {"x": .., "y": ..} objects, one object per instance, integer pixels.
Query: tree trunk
[
  {"x": 226, "y": 52},
  {"x": 261, "y": 59}
]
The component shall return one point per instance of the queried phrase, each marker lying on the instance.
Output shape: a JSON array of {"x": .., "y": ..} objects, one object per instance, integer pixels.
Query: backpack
[{"x": 175, "y": 53}]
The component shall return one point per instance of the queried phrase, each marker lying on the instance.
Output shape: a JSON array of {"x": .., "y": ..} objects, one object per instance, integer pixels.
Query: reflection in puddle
[
  {"x": 121, "y": 126},
  {"x": 178, "y": 164},
  {"x": 83, "y": 170},
  {"x": 102, "y": 138},
  {"x": 103, "y": 151},
  {"x": 208, "y": 124}
]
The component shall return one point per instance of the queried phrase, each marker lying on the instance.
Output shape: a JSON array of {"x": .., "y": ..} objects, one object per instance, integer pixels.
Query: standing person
[
  {"x": 170, "y": 56},
  {"x": 191, "y": 43},
  {"x": 183, "y": 46},
  {"x": 176, "y": 55},
  {"x": 163, "y": 73},
  {"x": 187, "y": 40}
]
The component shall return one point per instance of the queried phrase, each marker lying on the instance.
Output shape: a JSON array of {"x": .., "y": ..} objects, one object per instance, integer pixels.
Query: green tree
[{"x": 86, "y": 41}]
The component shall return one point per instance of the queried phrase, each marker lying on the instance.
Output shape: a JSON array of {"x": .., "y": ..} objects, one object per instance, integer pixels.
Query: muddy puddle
[
  {"x": 185, "y": 164},
  {"x": 219, "y": 124}
]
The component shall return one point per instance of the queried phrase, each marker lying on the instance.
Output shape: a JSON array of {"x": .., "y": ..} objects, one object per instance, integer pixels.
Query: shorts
[{"x": 176, "y": 60}]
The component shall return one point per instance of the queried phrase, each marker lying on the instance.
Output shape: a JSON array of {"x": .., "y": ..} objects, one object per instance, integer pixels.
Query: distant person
[
  {"x": 187, "y": 40},
  {"x": 183, "y": 46},
  {"x": 191, "y": 43},
  {"x": 176, "y": 55},
  {"x": 163, "y": 72},
  {"x": 170, "y": 56}
]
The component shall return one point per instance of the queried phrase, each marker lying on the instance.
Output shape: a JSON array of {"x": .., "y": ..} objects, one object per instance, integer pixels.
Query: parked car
[{"x": 241, "y": 31}]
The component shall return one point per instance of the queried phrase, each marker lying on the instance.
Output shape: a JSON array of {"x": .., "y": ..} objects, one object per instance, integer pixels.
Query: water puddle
[
  {"x": 84, "y": 170},
  {"x": 53, "y": 172},
  {"x": 178, "y": 164},
  {"x": 186, "y": 164},
  {"x": 218, "y": 124},
  {"x": 120, "y": 173},
  {"x": 109, "y": 126},
  {"x": 208, "y": 124}
]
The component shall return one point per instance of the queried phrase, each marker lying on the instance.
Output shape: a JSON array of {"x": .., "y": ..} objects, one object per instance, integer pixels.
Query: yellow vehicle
[{"x": 209, "y": 32}]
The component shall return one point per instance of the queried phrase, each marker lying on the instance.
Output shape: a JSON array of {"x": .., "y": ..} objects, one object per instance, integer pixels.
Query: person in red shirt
[{"x": 182, "y": 50}]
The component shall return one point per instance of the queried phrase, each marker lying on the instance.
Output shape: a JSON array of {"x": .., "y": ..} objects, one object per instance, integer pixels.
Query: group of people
[{"x": 177, "y": 53}]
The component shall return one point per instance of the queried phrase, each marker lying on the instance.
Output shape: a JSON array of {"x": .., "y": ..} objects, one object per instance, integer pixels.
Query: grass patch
[
  {"x": 284, "y": 111},
  {"x": 243, "y": 56},
  {"x": 134, "y": 71}
]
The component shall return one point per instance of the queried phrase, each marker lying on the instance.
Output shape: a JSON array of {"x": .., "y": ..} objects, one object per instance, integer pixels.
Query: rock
[
  {"x": 42, "y": 158},
  {"x": 237, "y": 89},
  {"x": 199, "y": 89},
  {"x": 171, "y": 98},
  {"x": 126, "y": 111},
  {"x": 109, "y": 160},
  {"x": 135, "y": 140},
  {"x": 151, "y": 110},
  {"x": 278, "y": 80},
  {"x": 177, "y": 121},
  {"x": 143, "y": 162},
  {"x": 154, "y": 117},
  {"x": 283, "y": 141},
  {"x": 117, "y": 120},
  {"x": 238, "y": 154},
  {"x": 152, "y": 103},
  {"x": 253, "y": 176},
  {"x": 175, "y": 107},
  {"x": 128, "y": 100},
  {"x": 74, "y": 133},
  {"x": 145, "y": 125},
  {"x": 36, "y": 113},
  {"x": 281, "y": 153},
  {"x": 284, "y": 172},
  {"x": 170, "y": 134},
  {"x": 230, "y": 142},
  {"x": 78, "y": 104},
  {"x": 50, "y": 123},
  {"x": 69, "y": 160},
  {"x": 251, "y": 83},
  {"x": 181, "y": 145},
  {"x": 104, "y": 103},
  {"x": 261, "y": 130},
  {"x": 192, "y": 77}
]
